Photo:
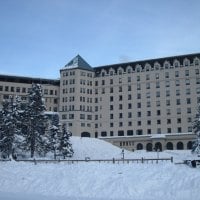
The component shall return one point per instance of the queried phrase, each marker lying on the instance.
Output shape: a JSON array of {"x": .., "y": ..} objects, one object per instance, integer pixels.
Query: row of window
[
  {"x": 25, "y": 90},
  {"x": 138, "y": 78},
  {"x": 72, "y": 73},
  {"x": 141, "y": 132},
  {"x": 148, "y": 67}
]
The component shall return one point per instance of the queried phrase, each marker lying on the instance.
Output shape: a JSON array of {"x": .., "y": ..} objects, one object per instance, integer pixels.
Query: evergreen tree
[
  {"x": 35, "y": 122},
  {"x": 65, "y": 144},
  {"x": 196, "y": 130},
  {"x": 9, "y": 116}
]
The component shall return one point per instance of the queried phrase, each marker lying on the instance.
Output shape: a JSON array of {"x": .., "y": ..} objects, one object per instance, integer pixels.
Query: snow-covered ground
[{"x": 104, "y": 181}]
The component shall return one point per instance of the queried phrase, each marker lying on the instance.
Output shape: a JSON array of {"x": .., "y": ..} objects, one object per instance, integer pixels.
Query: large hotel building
[{"x": 148, "y": 104}]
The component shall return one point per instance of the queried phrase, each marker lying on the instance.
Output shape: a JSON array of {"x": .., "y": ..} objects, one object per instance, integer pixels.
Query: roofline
[{"x": 148, "y": 60}]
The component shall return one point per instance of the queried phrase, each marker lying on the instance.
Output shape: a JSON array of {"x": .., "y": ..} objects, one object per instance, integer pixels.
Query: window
[
  {"x": 148, "y": 131},
  {"x": 138, "y": 96},
  {"x": 189, "y": 110},
  {"x": 129, "y": 115},
  {"x": 177, "y": 82},
  {"x": 198, "y": 90},
  {"x": 148, "y": 122},
  {"x": 111, "y": 107},
  {"x": 176, "y": 73},
  {"x": 138, "y": 114},
  {"x": 147, "y": 85},
  {"x": 139, "y": 132},
  {"x": 169, "y": 130},
  {"x": 120, "y": 107},
  {"x": 120, "y": 97},
  {"x": 188, "y": 101},
  {"x": 1, "y": 88},
  {"x": 158, "y": 121},
  {"x": 186, "y": 72},
  {"x": 130, "y": 132},
  {"x": 178, "y": 101},
  {"x": 179, "y": 129},
  {"x": 168, "y": 121},
  {"x": 138, "y": 105},
  {"x": 139, "y": 123},
  {"x": 157, "y": 103},
  {"x": 138, "y": 86},
  {"x": 148, "y": 104},
  {"x": 187, "y": 81},
  {"x": 148, "y": 95},
  {"x": 157, "y": 84},
  {"x": 129, "y": 97},
  {"x": 148, "y": 113},
  {"x": 197, "y": 80},
  {"x": 111, "y": 116},
  {"x": 178, "y": 110},
  {"x": 120, "y": 88},
  {"x": 103, "y": 133},
  {"x": 111, "y": 98},
  {"x": 166, "y": 74},
  {"x": 178, "y": 120},
  {"x": 157, "y": 75},
  {"x": 187, "y": 91},
  {"x": 167, "y": 93},
  {"x": 147, "y": 77},
  {"x": 18, "y": 89},
  {"x": 157, "y": 93},
  {"x": 129, "y": 106},
  {"x": 111, "y": 81},
  {"x": 120, "y": 133},
  {"x": 158, "y": 112},
  {"x": 167, "y": 83},
  {"x": 129, "y": 79},
  {"x": 197, "y": 71},
  {"x": 167, "y": 102},
  {"x": 111, "y": 90},
  {"x": 138, "y": 78},
  {"x": 189, "y": 119},
  {"x": 168, "y": 112},
  {"x": 129, "y": 87},
  {"x": 177, "y": 92}
]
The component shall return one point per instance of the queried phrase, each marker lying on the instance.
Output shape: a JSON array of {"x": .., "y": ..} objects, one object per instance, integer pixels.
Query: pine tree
[
  {"x": 196, "y": 130},
  {"x": 35, "y": 122},
  {"x": 65, "y": 144},
  {"x": 8, "y": 127}
]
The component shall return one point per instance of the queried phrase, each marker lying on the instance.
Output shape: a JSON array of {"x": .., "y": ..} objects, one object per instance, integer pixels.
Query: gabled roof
[{"x": 78, "y": 62}]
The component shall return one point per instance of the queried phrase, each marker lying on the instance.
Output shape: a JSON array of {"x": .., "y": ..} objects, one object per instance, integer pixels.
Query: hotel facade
[{"x": 148, "y": 104}]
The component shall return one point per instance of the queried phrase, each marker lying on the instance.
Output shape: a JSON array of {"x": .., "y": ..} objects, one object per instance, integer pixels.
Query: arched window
[
  {"x": 147, "y": 67},
  {"x": 138, "y": 68},
  {"x": 156, "y": 66},
  {"x": 129, "y": 69},
  {"x": 139, "y": 146},
  {"x": 111, "y": 72},
  {"x": 179, "y": 145},
  {"x": 166, "y": 65},
  {"x": 196, "y": 61},
  {"x": 149, "y": 147},
  {"x": 158, "y": 146},
  {"x": 176, "y": 63},
  {"x": 186, "y": 62},
  {"x": 169, "y": 146},
  {"x": 120, "y": 71},
  {"x": 85, "y": 134},
  {"x": 189, "y": 145}
]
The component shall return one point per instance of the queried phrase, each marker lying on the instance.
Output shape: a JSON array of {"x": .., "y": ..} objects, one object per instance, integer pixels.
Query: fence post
[
  {"x": 142, "y": 160},
  {"x": 113, "y": 160},
  {"x": 171, "y": 159},
  {"x": 35, "y": 161}
]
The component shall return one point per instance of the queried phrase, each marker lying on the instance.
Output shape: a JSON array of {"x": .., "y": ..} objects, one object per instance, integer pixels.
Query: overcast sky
[{"x": 38, "y": 37}]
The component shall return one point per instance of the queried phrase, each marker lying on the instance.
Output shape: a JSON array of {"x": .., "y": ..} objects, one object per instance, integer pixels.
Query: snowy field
[{"x": 90, "y": 181}]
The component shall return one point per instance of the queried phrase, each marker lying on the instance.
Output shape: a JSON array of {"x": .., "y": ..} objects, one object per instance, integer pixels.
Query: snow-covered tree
[
  {"x": 196, "y": 130},
  {"x": 65, "y": 145},
  {"x": 9, "y": 124},
  {"x": 35, "y": 121}
]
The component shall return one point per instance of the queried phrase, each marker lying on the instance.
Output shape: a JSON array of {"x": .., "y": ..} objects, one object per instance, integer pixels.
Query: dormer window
[
  {"x": 148, "y": 67},
  {"x": 129, "y": 69},
  {"x": 138, "y": 68},
  {"x": 196, "y": 61},
  {"x": 186, "y": 62},
  {"x": 166, "y": 65},
  {"x": 176, "y": 63},
  {"x": 156, "y": 66},
  {"x": 120, "y": 71}
]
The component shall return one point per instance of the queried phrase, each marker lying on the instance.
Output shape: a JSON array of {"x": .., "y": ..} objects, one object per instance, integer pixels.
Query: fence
[{"x": 114, "y": 161}]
